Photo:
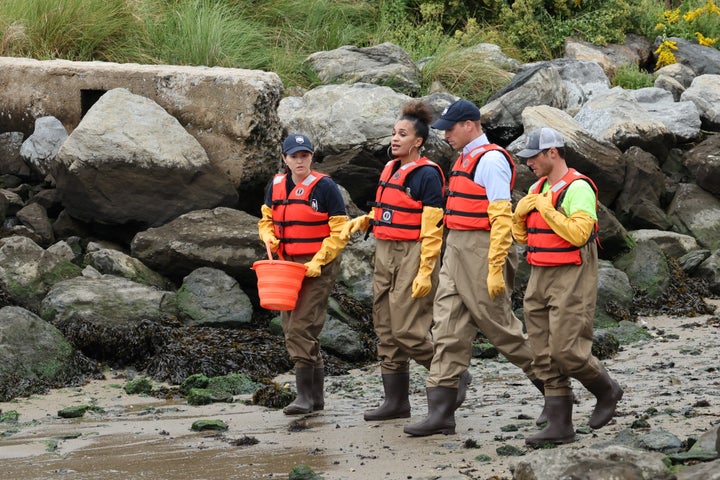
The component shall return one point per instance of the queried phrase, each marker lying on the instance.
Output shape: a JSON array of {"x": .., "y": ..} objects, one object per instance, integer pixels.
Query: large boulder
[
  {"x": 639, "y": 204},
  {"x": 34, "y": 356},
  {"x": 501, "y": 116},
  {"x": 130, "y": 162},
  {"x": 384, "y": 64},
  {"x": 27, "y": 271},
  {"x": 221, "y": 238},
  {"x": 703, "y": 162},
  {"x": 681, "y": 118},
  {"x": 232, "y": 112},
  {"x": 704, "y": 92},
  {"x": 40, "y": 148},
  {"x": 11, "y": 163},
  {"x": 696, "y": 212},
  {"x": 109, "y": 318},
  {"x": 617, "y": 117},
  {"x": 212, "y": 298}
]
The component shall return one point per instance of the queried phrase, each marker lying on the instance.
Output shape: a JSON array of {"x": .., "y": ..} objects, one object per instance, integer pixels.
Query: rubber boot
[
  {"x": 303, "y": 403},
  {"x": 463, "y": 383},
  {"x": 397, "y": 403},
  {"x": 559, "y": 429},
  {"x": 540, "y": 385},
  {"x": 608, "y": 394},
  {"x": 441, "y": 413},
  {"x": 318, "y": 391}
]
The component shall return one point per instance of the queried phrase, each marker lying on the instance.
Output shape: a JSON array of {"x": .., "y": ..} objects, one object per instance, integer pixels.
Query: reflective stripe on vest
[
  {"x": 297, "y": 223},
  {"x": 467, "y": 202},
  {"x": 545, "y": 247},
  {"x": 397, "y": 215}
]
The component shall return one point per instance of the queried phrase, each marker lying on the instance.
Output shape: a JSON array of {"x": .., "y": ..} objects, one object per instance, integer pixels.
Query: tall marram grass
[
  {"x": 71, "y": 29},
  {"x": 204, "y": 32}
]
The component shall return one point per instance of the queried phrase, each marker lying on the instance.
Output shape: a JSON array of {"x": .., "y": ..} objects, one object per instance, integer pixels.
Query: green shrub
[
  {"x": 540, "y": 29},
  {"x": 631, "y": 77}
]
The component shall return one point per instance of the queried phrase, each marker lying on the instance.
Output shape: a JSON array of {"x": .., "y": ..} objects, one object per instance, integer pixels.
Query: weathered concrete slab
[{"x": 232, "y": 112}]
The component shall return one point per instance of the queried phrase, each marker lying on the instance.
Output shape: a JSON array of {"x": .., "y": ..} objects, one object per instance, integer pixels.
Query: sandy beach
[{"x": 142, "y": 437}]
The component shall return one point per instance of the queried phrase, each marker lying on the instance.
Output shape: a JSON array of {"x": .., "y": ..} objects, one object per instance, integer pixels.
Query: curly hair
[{"x": 420, "y": 114}]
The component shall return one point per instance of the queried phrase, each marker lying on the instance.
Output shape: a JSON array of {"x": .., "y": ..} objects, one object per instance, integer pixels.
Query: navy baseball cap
[
  {"x": 458, "y": 111},
  {"x": 539, "y": 140},
  {"x": 296, "y": 142}
]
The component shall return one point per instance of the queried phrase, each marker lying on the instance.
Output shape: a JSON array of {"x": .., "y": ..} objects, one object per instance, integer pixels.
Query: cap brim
[
  {"x": 527, "y": 153},
  {"x": 442, "y": 124},
  {"x": 297, "y": 149}
]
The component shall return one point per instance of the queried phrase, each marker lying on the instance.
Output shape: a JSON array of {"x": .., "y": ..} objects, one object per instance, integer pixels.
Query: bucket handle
[{"x": 269, "y": 252}]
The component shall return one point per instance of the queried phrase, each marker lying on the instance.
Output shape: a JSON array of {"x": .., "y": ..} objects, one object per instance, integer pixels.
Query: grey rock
[
  {"x": 114, "y": 262},
  {"x": 34, "y": 216},
  {"x": 660, "y": 441},
  {"x": 709, "y": 270},
  {"x": 703, "y": 162},
  {"x": 27, "y": 271},
  {"x": 617, "y": 117},
  {"x": 639, "y": 205},
  {"x": 211, "y": 297},
  {"x": 221, "y": 238},
  {"x": 608, "y": 463},
  {"x": 704, "y": 92},
  {"x": 696, "y": 212},
  {"x": 338, "y": 338},
  {"x": 671, "y": 243},
  {"x": 34, "y": 355},
  {"x": 681, "y": 118},
  {"x": 11, "y": 162},
  {"x": 384, "y": 64},
  {"x": 41, "y": 148},
  {"x": 646, "y": 268},
  {"x": 614, "y": 293},
  {"x": 129, "y": 161}
]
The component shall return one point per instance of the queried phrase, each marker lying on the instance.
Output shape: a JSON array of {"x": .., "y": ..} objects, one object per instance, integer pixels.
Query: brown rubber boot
[
  {"x": 463, "y": 383},
  {"x": 303, "y": 403},
  {"x": 397, "y": 403},
  {"x": 608, "y": 394},
  {"x": 540, "y": 385},
  {"x": 559, "y": 429},
  {"x": 318, "y": 389},
  {"x": 441, "y": 413}
]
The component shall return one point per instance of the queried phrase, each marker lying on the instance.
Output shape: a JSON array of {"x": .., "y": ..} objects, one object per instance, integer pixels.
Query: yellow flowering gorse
[{"x": 677, "y": 24}]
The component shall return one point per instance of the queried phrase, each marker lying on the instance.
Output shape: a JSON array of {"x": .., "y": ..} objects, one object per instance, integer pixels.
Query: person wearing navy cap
[
  {"x": 302, "y": 217},
  {"x": 478, "y": 269},
  {"x": 558, "y": 222}
]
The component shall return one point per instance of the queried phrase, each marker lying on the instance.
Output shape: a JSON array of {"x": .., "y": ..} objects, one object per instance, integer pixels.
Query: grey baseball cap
[{"x": 539, "y": 140}]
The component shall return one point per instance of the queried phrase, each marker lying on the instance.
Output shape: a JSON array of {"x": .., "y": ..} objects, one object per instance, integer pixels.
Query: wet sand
[{"x": 140, "y": 437}]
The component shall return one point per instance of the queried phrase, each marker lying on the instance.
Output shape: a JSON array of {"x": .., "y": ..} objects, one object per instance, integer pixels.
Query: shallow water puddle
[{"x": 129, "y": 457}]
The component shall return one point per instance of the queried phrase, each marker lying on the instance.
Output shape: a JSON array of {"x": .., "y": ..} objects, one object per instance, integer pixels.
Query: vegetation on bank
[{"x": 277, "y": 35}]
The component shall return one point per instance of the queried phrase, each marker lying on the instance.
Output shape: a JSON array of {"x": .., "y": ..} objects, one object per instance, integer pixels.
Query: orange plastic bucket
[{"x": 279, "y": 282}]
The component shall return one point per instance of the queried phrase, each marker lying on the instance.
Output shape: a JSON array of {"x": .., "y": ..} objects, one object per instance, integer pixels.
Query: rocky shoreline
[{"x": 671, "y": 402}]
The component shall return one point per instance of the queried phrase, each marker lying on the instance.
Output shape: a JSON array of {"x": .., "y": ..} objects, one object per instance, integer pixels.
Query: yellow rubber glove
[
  {"x": 266, "y": 229},
  {"x": 356, "y": 224},
  {"x": 500, "y": 216},
  {"x": 431, "y": 236},
  {"x": 525, "y": 206},
  {"x": 330, "y": 248},
  {"x": 519, "y": 227},
  {"x": 576, "y": 228}
]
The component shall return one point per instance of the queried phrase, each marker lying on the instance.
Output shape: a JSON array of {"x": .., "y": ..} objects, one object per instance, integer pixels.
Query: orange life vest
[
  {"x": 397, "y": 215},
  {"x": 545, "y": 247},
  {"x": 297, "y": 223},
  {"x": 467, "y": 203}
]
